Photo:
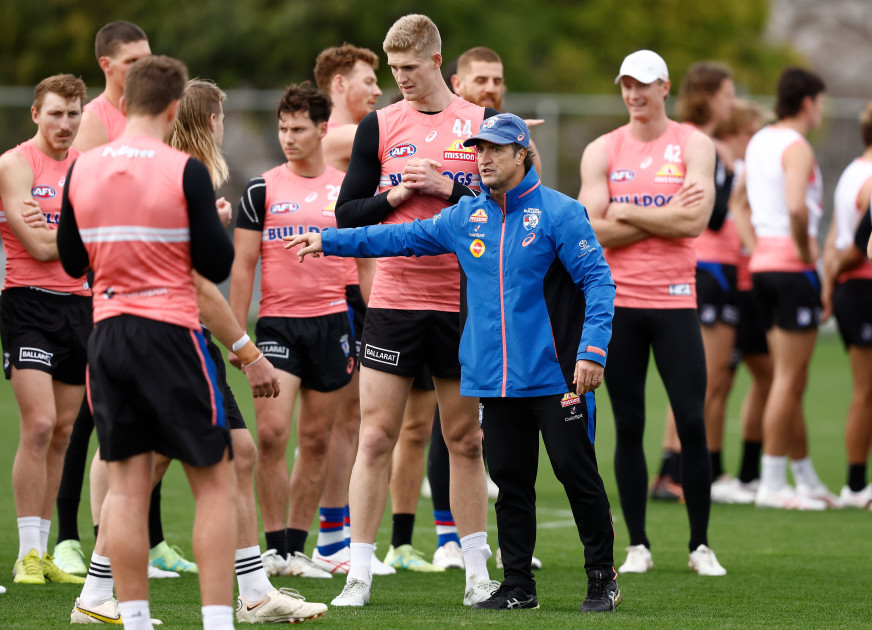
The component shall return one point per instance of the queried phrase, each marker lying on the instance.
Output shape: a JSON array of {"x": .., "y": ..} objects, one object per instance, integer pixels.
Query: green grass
[{"x": 785, "y": 570}]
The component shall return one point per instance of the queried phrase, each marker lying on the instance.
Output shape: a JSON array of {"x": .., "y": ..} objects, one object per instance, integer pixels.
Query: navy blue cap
[{"x": 502, "y": 129}]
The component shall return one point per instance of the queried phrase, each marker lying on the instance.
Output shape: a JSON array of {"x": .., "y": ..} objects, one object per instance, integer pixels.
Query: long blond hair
[{"x": 191, "y": 132}]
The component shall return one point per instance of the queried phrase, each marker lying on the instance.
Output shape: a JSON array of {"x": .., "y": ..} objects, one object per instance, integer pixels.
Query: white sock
[
  {"x": 361, "y": 562},
  {"x": 135, "y": 614},
  {"x": 99, "y": 581},
  {"x": 475, "y": 555},
  {"x": 44, "y": 529},
  {"x": 250, "y": 574},
  {"x": 773, "y": 472},
  {"x": 804, "y": 472},
  {"x": 217, "y": 617},
  {"x": 28, "y": 535}
]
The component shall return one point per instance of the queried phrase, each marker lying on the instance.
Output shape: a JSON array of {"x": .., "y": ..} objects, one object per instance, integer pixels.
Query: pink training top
[
  {"x": 764, "y": 180},
  {"x": 429, "y": 282},
  {"x": 22, "y": 270},
  {"x": 847, "y": 213},
  {"x": 656, "y": 272},
  {"x": 295, "y": 205},
  {"x": 132, "y": 215},
  {"x": 111, "y": 117},
  {"x": 351, "y": 275}
]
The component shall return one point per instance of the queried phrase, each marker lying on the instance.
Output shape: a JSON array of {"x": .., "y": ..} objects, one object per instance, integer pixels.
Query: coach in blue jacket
[{"x": 533, "y": 346}]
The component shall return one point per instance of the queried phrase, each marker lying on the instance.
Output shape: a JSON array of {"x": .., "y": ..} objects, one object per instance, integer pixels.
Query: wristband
[
  {"x": 259, "y": 357},
  {"x": 248, "y": 353},
  {"x": 244, "y": 339}
]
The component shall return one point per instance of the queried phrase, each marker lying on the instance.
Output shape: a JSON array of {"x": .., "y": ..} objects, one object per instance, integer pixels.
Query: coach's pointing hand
[{"x": 312, "y": 242}]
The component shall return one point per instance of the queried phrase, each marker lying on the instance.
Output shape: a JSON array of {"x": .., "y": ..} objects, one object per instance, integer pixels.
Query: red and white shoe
[
  {"x": 787, "y": 499},
  {"x": 338, "y": 563}
]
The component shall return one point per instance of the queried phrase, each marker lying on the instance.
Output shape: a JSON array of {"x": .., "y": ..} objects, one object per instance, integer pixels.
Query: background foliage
[{"x": 560, "y": 46}]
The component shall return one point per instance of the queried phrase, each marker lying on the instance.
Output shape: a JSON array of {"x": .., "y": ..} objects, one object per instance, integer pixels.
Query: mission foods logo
[
  {"x": 479, "y": 216},
  {"x": 477, "y": 248},
  {"x": 457, "y": 151},
  {"x": 403, "y": 150},
  {"x": 570, "y": 399},
  {"x": 669, "y": 174}
]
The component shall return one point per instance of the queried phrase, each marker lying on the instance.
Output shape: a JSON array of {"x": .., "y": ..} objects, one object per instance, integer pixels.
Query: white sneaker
[
  {"x": 2, "y": 589},
  {"x": 355, "y": 593},
  {"x": 300, "y": 565},
  {"x": 426, "y": 490},
  {"x": 337, "y": 563},
  {"x": 861, "y": 499},
  {"x": 786, "y": 499},
  {"x": 728, "y": 489},
  {"x": 107, "y": 612},
  {"x": 493, "y": 490},
  {"x": 283, "y": 605},
  {"x": 273, "y": 563},
  {"x": 159, "y": 574},
  {"x": 638, "y": 560},
  {"x": 479, "y": 592},
  {"x": 820, "y": 492},
  {"x": 378, "y": 567},
  {"x": 535, "y": 563},
  {"x": 449, "y": 556},
  {"x": 704, "y": 562}
]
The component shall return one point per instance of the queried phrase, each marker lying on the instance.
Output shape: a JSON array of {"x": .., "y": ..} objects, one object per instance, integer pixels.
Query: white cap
[{"x": 646, "y": 66}]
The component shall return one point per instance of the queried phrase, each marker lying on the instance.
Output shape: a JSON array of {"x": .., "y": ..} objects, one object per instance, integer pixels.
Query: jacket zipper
[{"x": 503, "y": 305}]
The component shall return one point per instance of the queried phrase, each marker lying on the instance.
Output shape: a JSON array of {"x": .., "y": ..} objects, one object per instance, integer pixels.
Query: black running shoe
[
  {"x": 603, "y": 594},
  {"x": 509, "y": 598}
]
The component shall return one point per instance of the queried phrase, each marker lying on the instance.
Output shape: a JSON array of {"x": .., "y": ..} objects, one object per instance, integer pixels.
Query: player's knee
[
  {"x": 271, "y": 439},
  {"x": 467, "y": 445},
  {"x": 37, "y": 432},
  {"x": 375, "y": 444},
  {"x": 244, "y": 456},
  {"x": 314, "y": 442}
]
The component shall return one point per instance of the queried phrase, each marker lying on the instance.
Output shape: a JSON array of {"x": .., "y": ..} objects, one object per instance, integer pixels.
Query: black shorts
[
  {"x": 400, "y": 342},
  {"x": 153, "y": 387},
  {"x": 852, "y": 306},
  {"x": 356, "y": 314},
  {"x": 751, "y": 333},
  {"x": 716, "y": 294},
  {"x": 789, "y": 300},
  {"x": 318, "y": 350},
  {"x": 231, "y": 409},
  {"x": 46, "y": 331}
]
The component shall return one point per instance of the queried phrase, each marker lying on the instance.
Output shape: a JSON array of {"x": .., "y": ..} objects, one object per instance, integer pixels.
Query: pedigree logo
[{"x": 477, "y": 248}]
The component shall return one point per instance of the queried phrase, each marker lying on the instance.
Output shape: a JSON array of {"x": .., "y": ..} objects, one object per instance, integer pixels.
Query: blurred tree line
[{"x": 558, "y": 46}]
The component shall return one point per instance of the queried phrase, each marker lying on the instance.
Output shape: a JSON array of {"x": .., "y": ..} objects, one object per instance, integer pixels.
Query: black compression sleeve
[
  {"x": 252, "y": 206},
  {"x": 861, "y": 236},
  {"x": 71, "y": 249},
  {"x": 211, "y": 248},
  {"x": 723, "y": 188},
  {"x": 356, "y": 205}
]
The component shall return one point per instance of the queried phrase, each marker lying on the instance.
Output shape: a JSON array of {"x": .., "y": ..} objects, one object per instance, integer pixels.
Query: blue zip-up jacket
[{"x": 508, "y": 348}]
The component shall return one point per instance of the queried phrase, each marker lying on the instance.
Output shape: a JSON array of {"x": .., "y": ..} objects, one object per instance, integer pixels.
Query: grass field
[{"x": 785, "y": 570}]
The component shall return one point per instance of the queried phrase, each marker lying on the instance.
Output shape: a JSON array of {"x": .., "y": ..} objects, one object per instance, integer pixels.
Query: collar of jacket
[{"x": 520, "y": 194}]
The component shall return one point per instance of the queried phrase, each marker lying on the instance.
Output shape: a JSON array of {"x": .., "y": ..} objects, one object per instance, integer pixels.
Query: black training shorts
[{"x": 153, "y": 387}]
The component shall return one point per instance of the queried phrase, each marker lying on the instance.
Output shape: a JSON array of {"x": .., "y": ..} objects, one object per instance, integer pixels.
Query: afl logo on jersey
[
  {"x": 622, "y": 175},
  {"x": 403, "y": 150},
  {"x": 283, "y": 207},
  {"x": 43, "y": 192},
  {"x": 477, "y": 248}
]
